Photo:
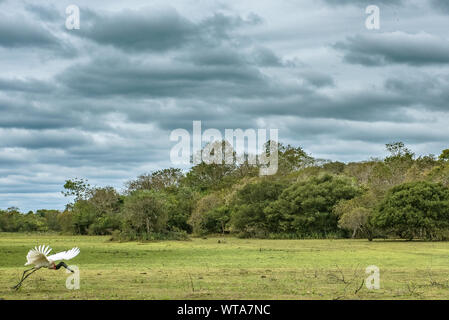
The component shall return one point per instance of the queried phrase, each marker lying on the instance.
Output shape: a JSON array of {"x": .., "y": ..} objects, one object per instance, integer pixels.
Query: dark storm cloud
[
  {"x": 25, "y": 85},
  {"x": 121, "y": 76},
  {"x": 18, "y": 32},
  {"x": 158, "y": 30},
  {"x": 397, "y": 47},
  {"x": 28, "y": 114},
  {"x": 26, "y": 35},
  {"x": 137, "y": 30}
]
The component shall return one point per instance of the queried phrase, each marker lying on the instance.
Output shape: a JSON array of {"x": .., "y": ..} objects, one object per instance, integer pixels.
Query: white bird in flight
[{"x": 39, "y": 256}]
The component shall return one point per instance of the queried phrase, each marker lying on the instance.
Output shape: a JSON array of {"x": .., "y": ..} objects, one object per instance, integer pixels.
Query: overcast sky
[{"x": 100, "y": 102}]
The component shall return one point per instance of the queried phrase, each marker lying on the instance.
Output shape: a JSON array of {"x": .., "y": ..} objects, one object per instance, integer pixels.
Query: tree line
[{"x": 400, "y": 196}]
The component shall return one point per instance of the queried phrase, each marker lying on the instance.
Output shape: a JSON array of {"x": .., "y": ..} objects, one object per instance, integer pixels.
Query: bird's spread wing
[
  {"x": 38, "y": 255},
  {"x": 65, "y": 255}
]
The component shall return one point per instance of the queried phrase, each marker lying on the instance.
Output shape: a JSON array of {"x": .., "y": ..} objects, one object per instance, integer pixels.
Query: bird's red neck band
[{"x": 53, "y": 266}]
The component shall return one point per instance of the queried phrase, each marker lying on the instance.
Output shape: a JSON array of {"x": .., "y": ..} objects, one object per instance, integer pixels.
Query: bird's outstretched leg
[
  {"x": 17, "y": 286},
  {"x": 62, "y": 264},
  {"x": 23, "y": 274}
]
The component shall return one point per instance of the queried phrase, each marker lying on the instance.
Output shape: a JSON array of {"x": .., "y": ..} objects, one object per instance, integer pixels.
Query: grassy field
[{"x": 229, "y": 268}]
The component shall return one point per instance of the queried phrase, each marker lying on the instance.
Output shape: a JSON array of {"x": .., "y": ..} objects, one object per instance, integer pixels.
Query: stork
[{"x": 39, "y": 256}]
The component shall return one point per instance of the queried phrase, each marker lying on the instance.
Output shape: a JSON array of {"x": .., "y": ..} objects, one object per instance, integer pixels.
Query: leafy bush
[
  {"x": 11, "y": 220},
  {"x": 145, "y": 212},
  {"x": 306, "y": 207},
  {"x": 248, "y": 216},
  {"x": 415, "y": 209},
  {"x": 199, "y": 215},
  {"x": 180, "y": 205}
]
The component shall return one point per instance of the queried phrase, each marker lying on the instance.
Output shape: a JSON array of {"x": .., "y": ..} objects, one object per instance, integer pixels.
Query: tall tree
[
  {"x": 157, "y": 180},
  {"x": 79, "y": 188}
]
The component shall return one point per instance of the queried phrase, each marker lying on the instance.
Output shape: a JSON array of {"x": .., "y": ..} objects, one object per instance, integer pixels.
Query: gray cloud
[
  {"x": 38, "y": 139},
  {"x": 20, "y": 33},
  {"x": 442, "y": 5},
  {"x": 395, "y": 47},
  {"x": 121, "y": 76},
  {"x": 139, "y": 30},
  {"x": 319, "y": 79},
  {"x": 45, "y": 12},
  {"x": 158, "y": 29},
  {"x": 25, "y": 85},
  {"x": 266, "y": 57}
]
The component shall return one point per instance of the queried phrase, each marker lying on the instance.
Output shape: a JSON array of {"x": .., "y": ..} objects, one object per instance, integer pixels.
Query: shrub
[
  {"x": 145, "y": 212},
  {"x": 306, "y": 207},
  {"x": 416, "y": 209},
  {"x": 199, "y": 217},
  {"x": 248, "y": 216}
]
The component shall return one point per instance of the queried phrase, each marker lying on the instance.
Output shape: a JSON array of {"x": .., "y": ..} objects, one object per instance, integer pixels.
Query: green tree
[
  {"x": 32, "y": 222},
  {"x": 355, "y": 214},
  {"x": 158, "y": 180},
  {"x": 248, "y": 216},
  {"x": 439, "y": 173},
  {"x": 306, "y": 207},
  {"x": 290, "y": 158},
  {"x": 204, "y": 205},
  {"x": 415, "y": 209},
  {"x": 204, "y": 177},
  {"x": 216, "y": 219},
  {"x": 51, "y": 219},
  {"x": 10, "y": 220},
  {"x": 355, "y": 219},
  {"x": 444, "y": 156},
  {"x": 180, "y": 205},
  {"x": 394, "y": 170},
  {"x": 398, "y": 150},
  {"x": 334, "y": 167},
  {"x": 107, "y": 204},
  {"x": 145, "y": 212},
  {"x": 83, "y": 216},
  {"x": 78, "y": 188},
  {"x": 65, "y": 220}
]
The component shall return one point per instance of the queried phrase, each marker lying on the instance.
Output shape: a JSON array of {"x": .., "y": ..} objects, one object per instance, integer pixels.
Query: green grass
[{"x": 229, "y": 268}]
